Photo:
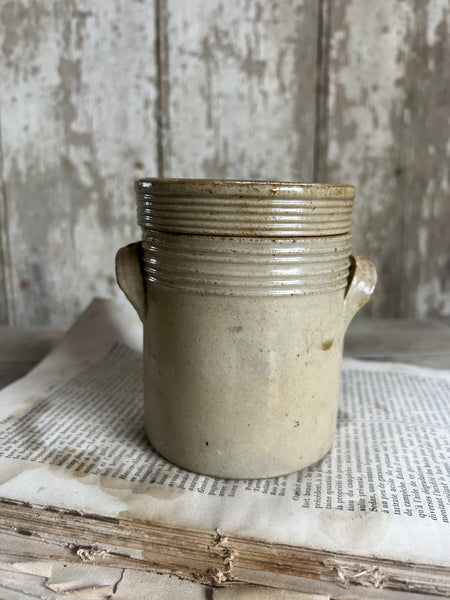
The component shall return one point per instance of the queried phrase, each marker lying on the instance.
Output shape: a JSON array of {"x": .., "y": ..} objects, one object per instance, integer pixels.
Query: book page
[{"x": 72, "y": 435}]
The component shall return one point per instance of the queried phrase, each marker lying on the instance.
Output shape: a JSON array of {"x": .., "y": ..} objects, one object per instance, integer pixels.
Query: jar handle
[
  {"x": 362, "y": 280},
  {"x": 129, "y": 276}
]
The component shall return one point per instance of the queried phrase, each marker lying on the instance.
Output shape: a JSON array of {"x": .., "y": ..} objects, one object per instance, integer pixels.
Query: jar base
[{"x": 241, "y": 474}]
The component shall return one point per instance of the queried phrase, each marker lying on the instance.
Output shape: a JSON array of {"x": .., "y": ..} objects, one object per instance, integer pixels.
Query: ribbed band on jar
[
  {"x": 246, "y": 266},
  {"x": 213, "y": 207}
]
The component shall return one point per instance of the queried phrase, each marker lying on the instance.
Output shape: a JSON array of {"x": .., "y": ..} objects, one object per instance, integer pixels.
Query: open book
[{"x": 79, "y": 480}]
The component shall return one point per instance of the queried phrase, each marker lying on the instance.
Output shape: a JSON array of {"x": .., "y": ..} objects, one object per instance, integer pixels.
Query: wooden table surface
[{"x": 426, "y": 343}]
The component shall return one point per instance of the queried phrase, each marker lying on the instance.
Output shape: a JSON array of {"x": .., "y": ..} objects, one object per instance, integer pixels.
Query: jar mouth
[
  {"x": 244, "y": 208},
  {"x": 243, "y": 188}
]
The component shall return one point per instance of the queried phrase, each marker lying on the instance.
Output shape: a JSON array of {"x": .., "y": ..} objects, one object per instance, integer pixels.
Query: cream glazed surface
[{"x": 243, "y": 334}]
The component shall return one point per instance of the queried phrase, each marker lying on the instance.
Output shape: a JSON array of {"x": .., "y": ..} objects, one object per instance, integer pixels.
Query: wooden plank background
[{"x": 95, "y": 94}]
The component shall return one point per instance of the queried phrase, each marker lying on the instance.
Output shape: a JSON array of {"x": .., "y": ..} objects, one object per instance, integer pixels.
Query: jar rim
[{"x": 269, "y": 188}]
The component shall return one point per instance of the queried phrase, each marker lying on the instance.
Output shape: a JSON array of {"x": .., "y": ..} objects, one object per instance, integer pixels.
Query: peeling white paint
[
  {"x": 382, "y": 116},
  {"x": 445, "y": 183},
  {"x": 80, "y": 103},
  {"x": 430, "y": 295},
  {"x": 364, "y": 88},
  {"x": 436, "y": 13},
  {"x": 423, "y": 241},
  {"x": 242, "y": 83}
]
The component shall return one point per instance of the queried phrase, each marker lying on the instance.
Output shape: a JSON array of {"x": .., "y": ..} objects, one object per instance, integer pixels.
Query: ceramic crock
[{"x": 245, "y": 290}]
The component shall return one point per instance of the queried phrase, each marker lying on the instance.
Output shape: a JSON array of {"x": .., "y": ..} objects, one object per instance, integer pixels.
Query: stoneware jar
[{"x": 245, "y": 290}]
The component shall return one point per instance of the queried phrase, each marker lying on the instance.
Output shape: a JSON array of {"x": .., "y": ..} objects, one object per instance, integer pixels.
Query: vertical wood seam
[
  {"x": 322, "y": 86},
  {"x": 6, "y": 265},
  {"x": 162, "y": 82}
]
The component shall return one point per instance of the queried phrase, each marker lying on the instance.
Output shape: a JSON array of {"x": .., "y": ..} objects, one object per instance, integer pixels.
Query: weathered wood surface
[
  {"x": 78, "y": 101},
  {"x": 388, "y": 132},
  {"x": 97, "y": 94},
  {"x": 5, "y": 269},
  {"x": 424, "y": 343},
  {"x": 239, "y": 88}
]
